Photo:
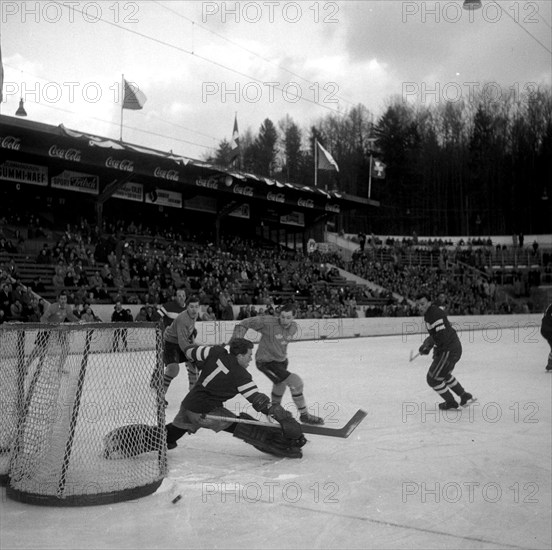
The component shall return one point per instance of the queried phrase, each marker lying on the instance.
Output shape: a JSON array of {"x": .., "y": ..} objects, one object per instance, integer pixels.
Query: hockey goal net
[{"x": 63, "y": 390}]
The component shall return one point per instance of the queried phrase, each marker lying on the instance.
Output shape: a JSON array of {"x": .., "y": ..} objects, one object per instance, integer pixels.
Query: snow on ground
[{"x": 408, "y": 477}]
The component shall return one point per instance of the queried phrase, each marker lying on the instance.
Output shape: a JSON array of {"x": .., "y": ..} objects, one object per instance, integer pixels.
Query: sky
[{"x": 201, "y": 64}]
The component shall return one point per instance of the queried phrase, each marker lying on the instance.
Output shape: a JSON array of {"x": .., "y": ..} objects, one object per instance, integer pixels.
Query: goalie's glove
[{"x": 290, "y": 427}]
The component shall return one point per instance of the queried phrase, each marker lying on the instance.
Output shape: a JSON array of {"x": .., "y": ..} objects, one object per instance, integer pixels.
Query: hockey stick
[
  {"x": 343, "y": 432},
  {"x": 412, "y": 357}
]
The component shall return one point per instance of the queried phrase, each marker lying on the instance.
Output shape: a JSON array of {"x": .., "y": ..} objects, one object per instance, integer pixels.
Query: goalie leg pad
[
  {"x": 268, "y": 440},
  {"x": 133, "y": 440}
]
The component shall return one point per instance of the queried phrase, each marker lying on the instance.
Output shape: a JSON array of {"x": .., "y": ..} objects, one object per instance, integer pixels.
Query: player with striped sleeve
[
  {"x": 223, "y": 375},
  {"x": 446, "y": 353}
]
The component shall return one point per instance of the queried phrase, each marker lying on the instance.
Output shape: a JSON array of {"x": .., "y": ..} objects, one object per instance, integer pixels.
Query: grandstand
[{"x": 82, "y": 208}]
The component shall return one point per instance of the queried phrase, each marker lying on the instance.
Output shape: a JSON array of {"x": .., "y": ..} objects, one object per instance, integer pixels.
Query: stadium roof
[{"x": 98, "y": 165}]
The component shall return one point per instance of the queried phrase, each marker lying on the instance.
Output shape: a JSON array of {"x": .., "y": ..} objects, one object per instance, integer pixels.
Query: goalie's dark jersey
[
  {"x": 221, "y": 378},
  {"x": 440, "y": 329}
]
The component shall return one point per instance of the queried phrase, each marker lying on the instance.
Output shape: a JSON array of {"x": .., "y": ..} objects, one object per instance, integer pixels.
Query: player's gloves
[
  {"x": 260, "y": 402},
  {"x": 290, "y": 427},
  {"x": 425, "y": 348}
]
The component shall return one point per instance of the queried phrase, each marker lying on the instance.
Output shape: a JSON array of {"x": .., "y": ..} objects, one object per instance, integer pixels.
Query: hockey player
[
  {"x": 222, "y": 376},
  {"x": 177, "y": 337},
  {"x": 56, "y": 313},
  {"x": 271, "y": 357},
  {"x": 170, "y": 311},
  {"x": 546, "y": 331},
  {"x": 446, "y": 354}
]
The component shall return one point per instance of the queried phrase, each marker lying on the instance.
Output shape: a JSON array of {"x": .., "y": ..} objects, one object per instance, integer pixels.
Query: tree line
[{"x": 477, "y": 167}]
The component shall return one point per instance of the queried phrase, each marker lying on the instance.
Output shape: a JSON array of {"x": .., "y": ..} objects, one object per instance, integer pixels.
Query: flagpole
[
  {"x": 122, "y": 98},
  {"x": 315, "y": 162},
  {"x": 238, "y": 161},
  {"x": 370, "y": 176}
]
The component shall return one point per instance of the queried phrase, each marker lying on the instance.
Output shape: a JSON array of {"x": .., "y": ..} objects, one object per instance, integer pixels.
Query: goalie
[{"x": 223, "y": 375}]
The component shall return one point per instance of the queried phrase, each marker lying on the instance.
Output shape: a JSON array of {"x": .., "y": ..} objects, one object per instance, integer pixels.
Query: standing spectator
[
  {"x": 227, "y": 313},
  {"x": 119, "y": 315},
  {"x": 521, "y": 239},
  {"x": 5, "y": 299},
  {"x": 546, "y": 331},
  {"x": 271, "y": 357},
  {"x": 446, "y": 354},
  {"x": 362, "y": 241},
  {"x": 89, "y": 316}
]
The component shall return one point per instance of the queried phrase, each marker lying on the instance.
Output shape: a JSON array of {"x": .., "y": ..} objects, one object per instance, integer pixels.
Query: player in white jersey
[{"x": 271, "y": 357}]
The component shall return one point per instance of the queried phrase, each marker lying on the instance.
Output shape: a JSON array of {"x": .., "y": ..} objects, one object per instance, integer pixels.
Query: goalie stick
[
  {"x": 412, "y": 356},
  {"x": 343, "y": 432}
]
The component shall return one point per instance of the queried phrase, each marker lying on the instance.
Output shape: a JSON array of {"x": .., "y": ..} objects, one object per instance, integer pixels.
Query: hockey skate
[
  {"x": 307, "y": 418},
  {"x": 467, "y": 399},
  {"x": 446, "y": 405},
  {"x": 548, "y": 367}
]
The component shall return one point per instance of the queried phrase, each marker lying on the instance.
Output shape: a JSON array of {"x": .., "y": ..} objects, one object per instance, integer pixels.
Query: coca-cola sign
[
  {"x": 210, "y": 183},
  {"x": 276, "y": 197},
  {"x": 243, "y": 190},
  {"x": 332, "y": 208},
  {"x": 123, "y": 164},
  {"x": 306, "y": 203},
  {"x": 10, "y": 142},
  {"x": 171, "y": 175},
  {"x": 71, "y": 154}
]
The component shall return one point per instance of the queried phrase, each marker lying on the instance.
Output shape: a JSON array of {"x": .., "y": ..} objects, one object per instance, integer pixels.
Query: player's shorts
[
  {"x": 443, "y": 363},
  {"x": 275, "y": 370},
  {"x": 172, "y": 353}
]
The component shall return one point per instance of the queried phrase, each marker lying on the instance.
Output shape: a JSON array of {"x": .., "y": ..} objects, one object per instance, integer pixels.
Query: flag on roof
[
  {"x": 325, "y": 160},
  {"x": 134, "y": 98},
  {"x": 235, "y": 142}
]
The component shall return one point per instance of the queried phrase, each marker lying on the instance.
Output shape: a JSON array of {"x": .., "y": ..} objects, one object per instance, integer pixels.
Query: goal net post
[{"x": 82, "y": 416}]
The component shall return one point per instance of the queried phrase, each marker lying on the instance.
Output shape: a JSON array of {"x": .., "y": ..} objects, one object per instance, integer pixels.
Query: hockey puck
[{"x": 176, "y": 499}]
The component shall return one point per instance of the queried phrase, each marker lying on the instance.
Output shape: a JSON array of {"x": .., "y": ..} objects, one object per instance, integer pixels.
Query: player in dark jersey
[
  {"x": 271, "y": 357},
  {"x": 447, "y": 352},
  {"x": 170, "y": 311},
  {"x": 546, "y": 331},
  {"x": 223, "y": 375}
]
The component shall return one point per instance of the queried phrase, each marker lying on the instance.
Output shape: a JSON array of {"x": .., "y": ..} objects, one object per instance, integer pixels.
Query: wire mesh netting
[{"x": 82, "y": 415}]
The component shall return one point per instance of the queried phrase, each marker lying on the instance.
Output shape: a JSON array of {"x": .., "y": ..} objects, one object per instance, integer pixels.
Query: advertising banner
[{"x": 22, "y": 172}]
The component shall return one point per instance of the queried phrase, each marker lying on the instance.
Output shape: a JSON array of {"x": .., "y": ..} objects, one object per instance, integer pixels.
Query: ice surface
[{"x": 406, "y": 478}]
